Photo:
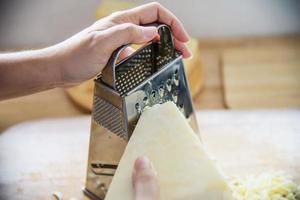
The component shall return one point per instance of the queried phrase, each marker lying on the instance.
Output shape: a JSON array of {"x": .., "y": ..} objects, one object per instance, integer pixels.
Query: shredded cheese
[{"x": 274, "y": 185}]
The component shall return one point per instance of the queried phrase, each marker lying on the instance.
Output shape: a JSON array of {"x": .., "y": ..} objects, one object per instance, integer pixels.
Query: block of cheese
[{"x": 184, "y": 169}]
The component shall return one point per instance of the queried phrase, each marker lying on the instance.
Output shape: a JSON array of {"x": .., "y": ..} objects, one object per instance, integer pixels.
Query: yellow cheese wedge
[{"x": 185, "y": 171}]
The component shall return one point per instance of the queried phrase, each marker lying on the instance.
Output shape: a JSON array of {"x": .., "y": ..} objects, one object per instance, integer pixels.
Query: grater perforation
[
  {"x": 133, "y": 72},
  {"x": 109, "y": 116}
]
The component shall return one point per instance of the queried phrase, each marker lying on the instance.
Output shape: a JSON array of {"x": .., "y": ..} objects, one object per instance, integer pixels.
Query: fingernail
[
  {"x": 143, "y": 163},
  {"x": 188, "y": 38},
  {"x": 149, "y": 32},
  {"x": 189, "y": 54},
  {"x": 153, "y": 169}
]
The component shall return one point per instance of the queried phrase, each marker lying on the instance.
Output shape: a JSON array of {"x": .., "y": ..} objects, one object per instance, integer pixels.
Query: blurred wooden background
[{"x": 56, "y": 103}]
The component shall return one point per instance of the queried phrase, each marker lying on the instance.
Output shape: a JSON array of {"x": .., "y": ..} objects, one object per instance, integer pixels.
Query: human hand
[
  {"x": 84, "y": 55},
  {"x": 144, "y": 180}
]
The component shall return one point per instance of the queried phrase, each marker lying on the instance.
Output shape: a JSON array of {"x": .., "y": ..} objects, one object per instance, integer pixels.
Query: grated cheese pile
[{"x": 276, "y": 185}]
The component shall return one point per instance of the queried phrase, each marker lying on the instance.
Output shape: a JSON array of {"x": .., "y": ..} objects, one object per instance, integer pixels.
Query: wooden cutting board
[
  {"x": 262, "y": 76},
  {"x": 42, "y": 157}
]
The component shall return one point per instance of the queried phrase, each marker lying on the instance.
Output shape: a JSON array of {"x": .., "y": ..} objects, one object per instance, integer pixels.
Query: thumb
[
  {"x": 144, "y": 180},
  {"x": 128, "y": 33}
]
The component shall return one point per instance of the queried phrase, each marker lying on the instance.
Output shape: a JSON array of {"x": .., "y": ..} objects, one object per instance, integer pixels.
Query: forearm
[{"x": 28, "y": 72}]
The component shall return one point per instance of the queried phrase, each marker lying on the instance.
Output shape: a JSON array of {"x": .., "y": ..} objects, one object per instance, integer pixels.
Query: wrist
[
  {"x": 52, "y": 62},
  {"x": 27, "y": 72}
]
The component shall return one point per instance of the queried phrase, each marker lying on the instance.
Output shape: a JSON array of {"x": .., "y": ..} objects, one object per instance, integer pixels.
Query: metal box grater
[{"x": 153, "y": 74}]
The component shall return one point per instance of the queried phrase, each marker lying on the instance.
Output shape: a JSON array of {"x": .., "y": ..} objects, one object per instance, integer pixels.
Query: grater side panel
[
  {"x": 109, "y": 116},
  {"x": 133, "y": 71},
  {"x": 168, "y": 84}
]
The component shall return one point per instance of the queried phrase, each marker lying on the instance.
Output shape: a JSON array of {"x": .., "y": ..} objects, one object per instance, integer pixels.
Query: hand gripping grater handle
[
  {"x": 118, "y": 80},
  {"x": 109, "y": 72}
]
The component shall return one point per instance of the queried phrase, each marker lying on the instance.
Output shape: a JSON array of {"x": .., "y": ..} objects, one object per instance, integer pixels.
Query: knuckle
[
  {"x": 91, "y": 38},
  {"x": 146, "y": 177},
  {"x": 156, "y": 4},
  {"x": 115, "y": 16},
  {"x": 130, "y": 29}
]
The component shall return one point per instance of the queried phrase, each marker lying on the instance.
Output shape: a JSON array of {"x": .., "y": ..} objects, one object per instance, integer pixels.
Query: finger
[
  {"x": 127, "y": 33},
  {"x": 125, "y": 53},
  {"x": 182, "y": 47},
  {"x": 144, "y": 180},
  {"x": 152, "y": 12}
]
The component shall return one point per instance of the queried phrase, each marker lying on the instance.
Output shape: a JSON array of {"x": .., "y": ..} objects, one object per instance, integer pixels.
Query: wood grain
[
  {"x": 47, "y": 156},
  {"x": 262, "y": 77},
  {"x": 211, "y": 94},
  {"x": 211, "y": 51},
  {"x": 48, "y": 104}
]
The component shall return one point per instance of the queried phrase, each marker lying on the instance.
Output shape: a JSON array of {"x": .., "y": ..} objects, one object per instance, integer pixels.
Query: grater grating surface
[
  {"x": 129, "y": 75},
  {"x": 109, "y": 116},
  {"x": 134, "y": 71},
  {"x": 139, "y": 67}
]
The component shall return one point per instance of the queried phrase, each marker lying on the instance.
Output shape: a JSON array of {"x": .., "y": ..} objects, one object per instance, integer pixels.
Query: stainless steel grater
[{"x": 153, "y": 74}]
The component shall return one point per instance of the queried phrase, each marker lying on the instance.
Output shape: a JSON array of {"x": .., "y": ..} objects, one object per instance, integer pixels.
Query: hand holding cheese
[
  {"x": 184, "y": 170},
  {"x": 144, "y": 180}
]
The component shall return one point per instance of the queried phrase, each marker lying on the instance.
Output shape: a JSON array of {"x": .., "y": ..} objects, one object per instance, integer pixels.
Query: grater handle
[{"x": 108, "y": 73}]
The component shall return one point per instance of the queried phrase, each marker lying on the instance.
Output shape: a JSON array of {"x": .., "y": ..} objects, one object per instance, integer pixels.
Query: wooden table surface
[
  {"x": 40, "y": 158},
  {"x": 49, "y": 104}
]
